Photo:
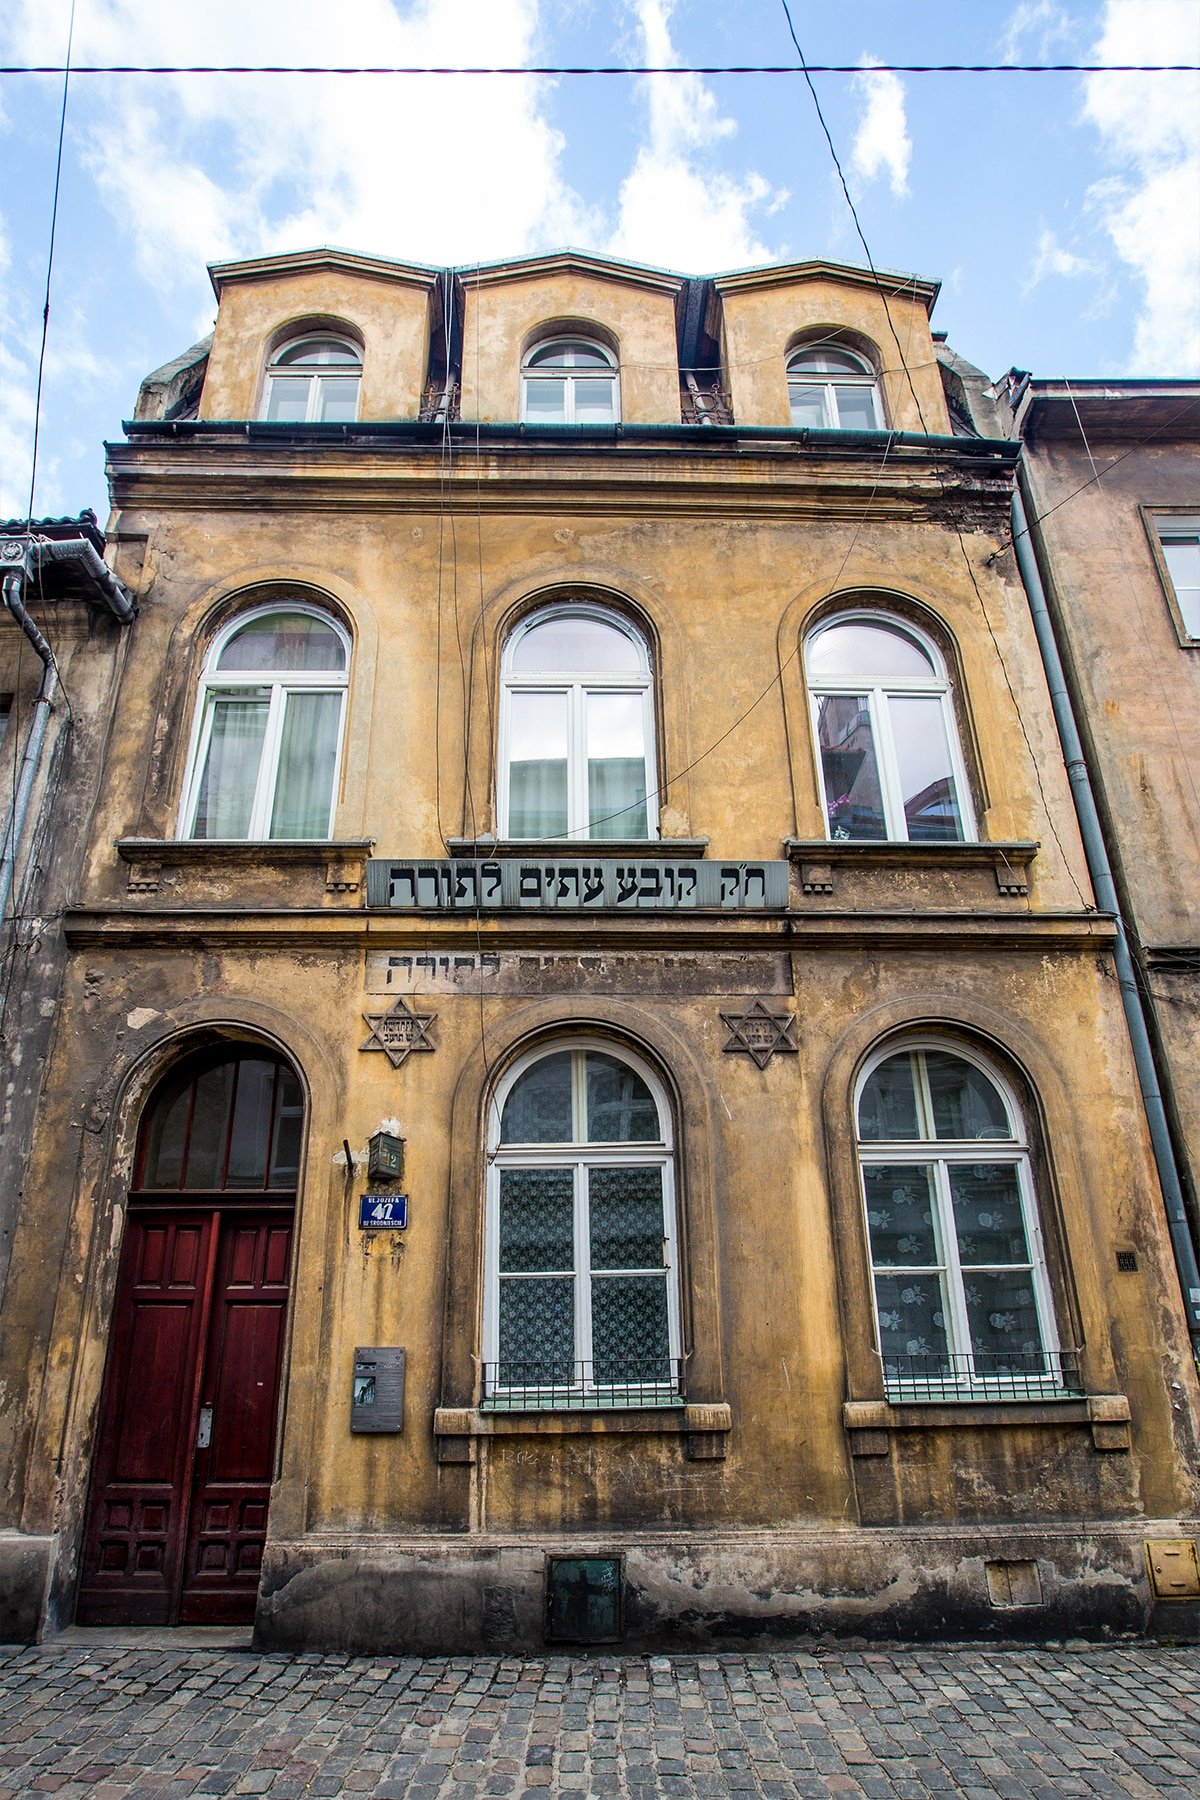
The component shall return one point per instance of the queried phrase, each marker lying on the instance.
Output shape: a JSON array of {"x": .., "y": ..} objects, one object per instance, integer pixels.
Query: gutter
[
  {"x": 996, "y": 451},
  {"x": 92, "y": 568},
  {"x": 1100, "y": 868}
]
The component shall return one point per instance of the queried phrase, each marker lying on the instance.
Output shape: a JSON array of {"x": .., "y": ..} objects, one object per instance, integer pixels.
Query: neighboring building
[
  {"x": 1120, "y": 565},
  {"x": 62, "y": 642},
  {"x": 590, "y": 1102}
]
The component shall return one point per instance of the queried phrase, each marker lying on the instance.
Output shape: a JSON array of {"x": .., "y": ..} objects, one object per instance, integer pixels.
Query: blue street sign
[{"x": 383, "y": 1212}]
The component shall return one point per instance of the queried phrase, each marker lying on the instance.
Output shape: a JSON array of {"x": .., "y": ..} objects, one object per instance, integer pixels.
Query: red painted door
[{"x": 186, "y": 1432}]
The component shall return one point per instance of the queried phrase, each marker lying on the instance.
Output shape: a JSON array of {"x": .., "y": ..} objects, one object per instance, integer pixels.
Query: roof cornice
[
  {"x": 304, "y": 262},
  {"x": 892, "y": 281},
  {"x": 569, "y": 262}
]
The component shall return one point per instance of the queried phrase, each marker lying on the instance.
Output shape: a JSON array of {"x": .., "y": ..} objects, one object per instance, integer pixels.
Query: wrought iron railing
[
  {"x": 517, "y": 1385},
  {"x": 983, "y": 1375}
]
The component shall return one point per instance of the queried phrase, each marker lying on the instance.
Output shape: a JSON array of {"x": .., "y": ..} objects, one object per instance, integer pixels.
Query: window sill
[
  {"x": 154, "y": 863},
  {"x": 704, "y": 1428},
  {"x": 491, "y": 847},
  {"x": 870, "y": 1423},
  {"x": 823, "y": 861}
]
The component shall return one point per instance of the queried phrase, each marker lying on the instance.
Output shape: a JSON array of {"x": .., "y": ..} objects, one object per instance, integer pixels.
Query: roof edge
[
  {"x": 893, "y": 281},
  {"x": 301, "y": 262}
]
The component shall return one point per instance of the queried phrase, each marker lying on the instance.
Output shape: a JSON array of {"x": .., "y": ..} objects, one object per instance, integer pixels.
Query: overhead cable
[{"x": 603, "y": 69}]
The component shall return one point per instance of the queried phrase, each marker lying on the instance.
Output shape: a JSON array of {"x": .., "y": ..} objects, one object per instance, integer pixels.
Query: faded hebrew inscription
[
  {"x": 543, "y": 885},
  {"x": 398, "y": 1032},
  {"x": 760, "y": 1033},
  {"x": 571, "y": 972}
]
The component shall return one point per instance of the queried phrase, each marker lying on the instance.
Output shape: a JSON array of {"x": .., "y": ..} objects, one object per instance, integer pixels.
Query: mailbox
[{"x": 377, "y": 1393}]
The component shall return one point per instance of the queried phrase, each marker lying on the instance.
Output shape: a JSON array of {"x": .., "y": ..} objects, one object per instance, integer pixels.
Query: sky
[{"x": 1061, "y": 213}]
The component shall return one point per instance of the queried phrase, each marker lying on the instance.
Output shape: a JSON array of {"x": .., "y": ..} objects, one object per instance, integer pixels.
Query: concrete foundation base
[
  {"x": 24, "y": 1580},
  {"x": 733, "y": 1590}
]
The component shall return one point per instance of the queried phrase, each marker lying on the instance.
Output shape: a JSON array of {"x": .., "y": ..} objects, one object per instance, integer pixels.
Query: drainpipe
[
  {"x": 1100, "y": 870},
  {"x": 35, "y": 738}
]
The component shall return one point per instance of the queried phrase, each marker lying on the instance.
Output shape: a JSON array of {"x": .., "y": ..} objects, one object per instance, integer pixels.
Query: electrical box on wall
[{"x": 377, "y": 1394}]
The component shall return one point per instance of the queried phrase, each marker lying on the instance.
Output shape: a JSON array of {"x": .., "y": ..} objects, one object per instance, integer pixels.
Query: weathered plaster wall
[
  {"x": 637, "y": 318},
  {"x": 389, "y": 316},
  {"x": 764, "y": 316}
]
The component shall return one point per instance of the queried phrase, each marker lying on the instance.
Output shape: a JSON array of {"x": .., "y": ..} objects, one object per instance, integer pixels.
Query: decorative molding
[
  {"x": 760, "y": 1033},
  {"x": 869, "y": 1424},
  {"x": 399, "y": 1031}
]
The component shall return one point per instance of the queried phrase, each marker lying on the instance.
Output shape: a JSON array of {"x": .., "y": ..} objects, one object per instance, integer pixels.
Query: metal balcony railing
[
  {"x": 516, "y": 1385},
  {"x": 983, "y": 1375}
]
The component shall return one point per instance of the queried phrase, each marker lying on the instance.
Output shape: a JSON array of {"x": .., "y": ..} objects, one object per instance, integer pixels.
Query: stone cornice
[{"x": 304, "y": 262}]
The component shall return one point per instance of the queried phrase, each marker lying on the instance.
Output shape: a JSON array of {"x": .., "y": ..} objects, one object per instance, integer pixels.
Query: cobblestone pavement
[{"x": 903, "y": 1721}]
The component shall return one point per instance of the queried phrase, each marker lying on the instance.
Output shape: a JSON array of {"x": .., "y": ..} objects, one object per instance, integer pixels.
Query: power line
[{"x": 603, "y": 69}]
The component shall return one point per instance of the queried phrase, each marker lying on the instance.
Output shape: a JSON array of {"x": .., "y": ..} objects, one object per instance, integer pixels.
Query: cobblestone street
[{"x": 155, "y": 1723}]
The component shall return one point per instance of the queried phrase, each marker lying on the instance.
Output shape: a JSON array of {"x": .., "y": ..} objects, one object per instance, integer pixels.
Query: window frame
[
  {"x": 215, "y": 682},
  {"x": 568, "y": 374},
  {"x": 577, "y": 686},
  {"x": 878, "y": 692},
  {"x": 1163, "y": 524},
  {"x": 829, "y": 382},
  {"x": 962, "y": 1380},
  {"x": 584, "y": 1393},
  {"x": 313, "y": 414}
]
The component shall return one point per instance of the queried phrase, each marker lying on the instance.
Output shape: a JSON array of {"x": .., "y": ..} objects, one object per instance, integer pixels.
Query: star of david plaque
[
  {"x": 398, "y": 1032},
  {"x": 760, "y": 1033}
]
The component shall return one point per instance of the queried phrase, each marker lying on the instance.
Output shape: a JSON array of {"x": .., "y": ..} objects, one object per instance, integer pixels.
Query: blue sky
[{"x": 1061, "y": 213}]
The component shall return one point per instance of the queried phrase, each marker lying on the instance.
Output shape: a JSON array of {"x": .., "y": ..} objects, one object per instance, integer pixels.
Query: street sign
[{"x": 382, "y": 1212}]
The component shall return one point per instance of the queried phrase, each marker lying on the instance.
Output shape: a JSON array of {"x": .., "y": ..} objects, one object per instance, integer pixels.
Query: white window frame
[
  {"x": 577, "y": 687},
  {"x": 313, "y": 374},
  {"x": 940, "y": 1154},
  {"x": 579, "y": 1157},
  {"x": 829, "y": 382},
  {"x": 568, "y": 374},
  {"x": 936, "y": 685},
  {"x": 1177, "y": 528},
  {"x": 217, "y": 683}
]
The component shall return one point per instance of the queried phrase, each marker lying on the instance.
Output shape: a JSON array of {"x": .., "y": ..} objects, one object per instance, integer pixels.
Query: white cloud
[
  {"x": 425, "y": 168},
  {"x": 1042, "y": 20},
  {"x": 882, "y": 144},
  {"x": 1150, "y": 127},
  {"x": 1053, "y": 258},
  {"x": 676, "y": 206}
]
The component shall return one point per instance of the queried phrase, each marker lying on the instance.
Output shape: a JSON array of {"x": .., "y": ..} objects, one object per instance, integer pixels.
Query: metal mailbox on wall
[{"x": 377, "y": 1395}]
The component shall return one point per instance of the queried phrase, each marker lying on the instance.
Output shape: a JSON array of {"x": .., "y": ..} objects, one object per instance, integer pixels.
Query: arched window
[
  {"x": 832, "y": 388},
  {"x": 313, "y": 380},
  {"x": 569, "y": 381},
  {"x": 582, "y": 1304},
  {"x": 268, "y": 728},
  {"x": 223, "y": 1121},
  {"x": 891, "y": 765},
  {"x": 962, "y": 1302},
  {"x": 577, "y": 728}
]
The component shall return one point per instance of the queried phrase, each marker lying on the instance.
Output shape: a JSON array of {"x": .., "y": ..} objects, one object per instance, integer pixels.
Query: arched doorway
[{"x": 181, "y": 1474}]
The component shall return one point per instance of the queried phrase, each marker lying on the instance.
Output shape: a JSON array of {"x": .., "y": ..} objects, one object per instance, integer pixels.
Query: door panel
[
  {"x": 175, "y": 1531},
  {"x": 135, "y": 1524},
  {"x": 232, "y": 1474}
]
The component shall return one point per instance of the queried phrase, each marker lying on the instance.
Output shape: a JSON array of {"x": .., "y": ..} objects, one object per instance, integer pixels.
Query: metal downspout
[
  {"x": 35, "y": 738},
  {"x": 1100, "y": 870}
]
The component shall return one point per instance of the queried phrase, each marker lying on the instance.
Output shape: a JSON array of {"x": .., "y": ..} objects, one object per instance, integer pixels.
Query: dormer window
[
  {"x": 832, "y": 388},
  {"x": 569, "y": 381},
  {"x": 314, "y": 381}
]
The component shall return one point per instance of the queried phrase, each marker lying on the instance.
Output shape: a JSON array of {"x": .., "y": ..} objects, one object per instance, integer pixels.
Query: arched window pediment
[
  {"x": 888, "y": 751},
  {"x": 313, "y": 379},
  {"x": 833, "y": 387},
  {"x": 569, "y": 380},
  {"x": 962, "y": 1300},
  {"x": 266, "y": 745},
  {"x": 577, "y": 727},
  {"x": 582, "y": 1304}
]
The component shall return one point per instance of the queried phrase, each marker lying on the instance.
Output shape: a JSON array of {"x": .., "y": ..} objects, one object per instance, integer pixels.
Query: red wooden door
[
  {"x": 239, "y": 1392},
  {"x": 178, "y": 1510}
]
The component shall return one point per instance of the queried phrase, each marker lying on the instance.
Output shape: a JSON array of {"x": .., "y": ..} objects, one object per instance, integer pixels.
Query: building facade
[{"x": 590, "y": 1102}]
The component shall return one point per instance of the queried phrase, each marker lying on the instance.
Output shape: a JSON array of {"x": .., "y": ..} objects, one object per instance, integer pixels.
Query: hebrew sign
[{"x": 537, "y": 884}]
